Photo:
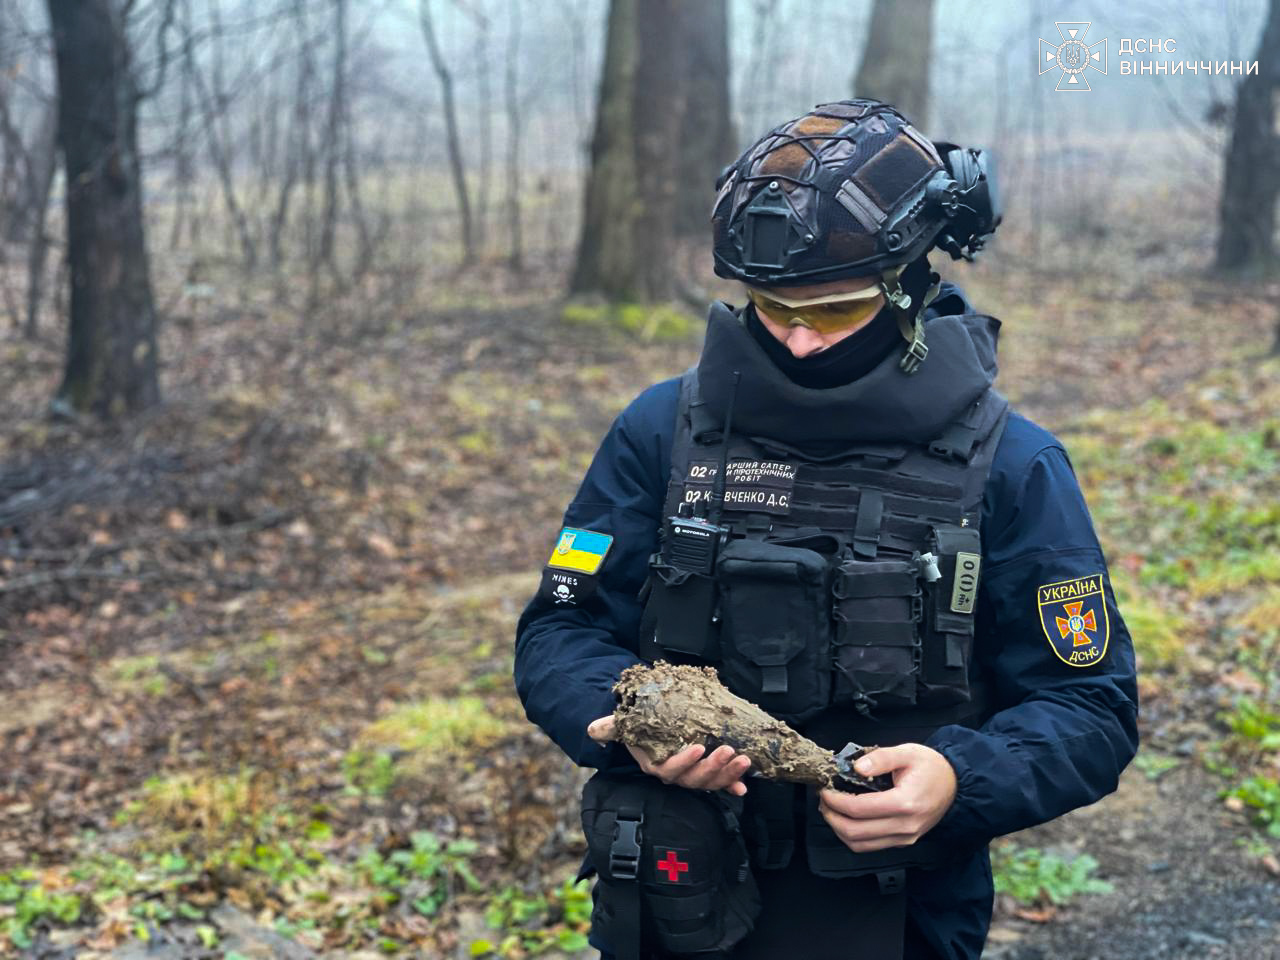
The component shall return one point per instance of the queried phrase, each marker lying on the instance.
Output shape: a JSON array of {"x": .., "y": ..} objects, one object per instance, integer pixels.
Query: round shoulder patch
[{"x": 1073, "y": 615}]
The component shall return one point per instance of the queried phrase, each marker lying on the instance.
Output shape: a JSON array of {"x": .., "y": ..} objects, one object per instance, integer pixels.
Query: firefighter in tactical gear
[{"x": 838, "y": 512}]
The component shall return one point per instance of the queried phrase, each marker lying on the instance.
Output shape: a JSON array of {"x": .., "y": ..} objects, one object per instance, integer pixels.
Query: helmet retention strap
[{"x": 900, "y": 302}]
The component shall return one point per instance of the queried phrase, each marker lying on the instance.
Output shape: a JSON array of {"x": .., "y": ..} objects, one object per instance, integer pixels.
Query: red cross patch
[
  {"x": 1073, "y": 615},
  {"x": 672, "y": 865}
]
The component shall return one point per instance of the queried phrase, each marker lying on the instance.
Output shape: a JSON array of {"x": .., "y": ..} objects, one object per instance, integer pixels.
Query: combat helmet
[{"x": 850, "y": 189}]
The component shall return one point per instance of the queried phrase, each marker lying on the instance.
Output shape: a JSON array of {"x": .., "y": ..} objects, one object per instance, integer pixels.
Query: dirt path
[{"x": 1184, "y": 887}]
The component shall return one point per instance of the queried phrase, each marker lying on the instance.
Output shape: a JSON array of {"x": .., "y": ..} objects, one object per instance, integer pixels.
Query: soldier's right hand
[{"x": 721, "y": 770}]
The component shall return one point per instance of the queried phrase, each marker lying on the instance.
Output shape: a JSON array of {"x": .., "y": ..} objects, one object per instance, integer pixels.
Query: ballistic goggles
[{"x": 830, "y": 314}]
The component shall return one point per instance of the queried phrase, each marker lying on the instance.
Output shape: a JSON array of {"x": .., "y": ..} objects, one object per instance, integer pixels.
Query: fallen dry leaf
[{"x": 1036, "y": 914}]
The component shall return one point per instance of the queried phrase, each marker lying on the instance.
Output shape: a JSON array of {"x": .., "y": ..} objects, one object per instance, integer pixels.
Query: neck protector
[
  {"x": 885, "y": 405},
  {"x": 853, "y": 357}
]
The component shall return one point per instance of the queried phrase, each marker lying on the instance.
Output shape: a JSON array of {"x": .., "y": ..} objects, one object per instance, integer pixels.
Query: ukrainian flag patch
[{"x": 580, "y": 550}]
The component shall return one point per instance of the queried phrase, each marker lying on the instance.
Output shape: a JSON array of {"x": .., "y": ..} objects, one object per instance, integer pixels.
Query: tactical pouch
[
  {"x": 877, "y": 610},
  {"x": 672, "y": 865},
  {"x": 775, "y": 631},
  {"x": 951, "y": 602},
  {"x": 684, "y": 603}
]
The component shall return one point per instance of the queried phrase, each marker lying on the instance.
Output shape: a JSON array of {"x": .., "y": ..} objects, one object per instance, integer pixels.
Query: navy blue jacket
[{"x": 1062, "y": 733}]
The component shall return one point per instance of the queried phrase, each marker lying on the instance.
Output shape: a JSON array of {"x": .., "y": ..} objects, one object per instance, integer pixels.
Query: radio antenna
[{"x": 717, "y": 494}]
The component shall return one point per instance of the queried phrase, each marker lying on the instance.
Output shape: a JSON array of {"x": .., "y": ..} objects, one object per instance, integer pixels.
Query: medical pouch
[
  {"x": 673, "y": 869},
  {"x": 775, "y": 627},
  {"x": 877, "y": 609},
  {"x": 951, "y": 603}
]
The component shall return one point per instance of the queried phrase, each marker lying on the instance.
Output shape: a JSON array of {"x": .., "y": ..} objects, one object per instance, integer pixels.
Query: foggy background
[{"x": 298, "y": 376}]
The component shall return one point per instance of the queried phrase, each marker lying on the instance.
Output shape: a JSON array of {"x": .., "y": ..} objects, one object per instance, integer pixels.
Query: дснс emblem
[{"x": 1073, "y": 56}]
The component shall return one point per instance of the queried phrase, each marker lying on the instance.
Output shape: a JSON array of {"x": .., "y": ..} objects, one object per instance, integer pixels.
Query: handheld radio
[{"x": 690, "y": 545}]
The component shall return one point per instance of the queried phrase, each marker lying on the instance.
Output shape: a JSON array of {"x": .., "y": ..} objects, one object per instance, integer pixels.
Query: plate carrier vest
[{"x": 841, "y": 599}]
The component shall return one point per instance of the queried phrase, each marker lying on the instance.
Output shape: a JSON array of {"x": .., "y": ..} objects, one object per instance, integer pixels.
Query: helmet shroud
[{"x": 850, "y": 189}]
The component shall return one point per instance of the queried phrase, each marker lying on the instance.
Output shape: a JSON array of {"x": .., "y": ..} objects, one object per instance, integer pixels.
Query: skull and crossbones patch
[
  {"x": 569, "y": 577},
  {"x": 562, "y": 588}
]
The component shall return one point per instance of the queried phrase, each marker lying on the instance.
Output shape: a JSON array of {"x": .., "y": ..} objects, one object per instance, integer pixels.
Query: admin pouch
[
  {"x": 774, "y": 611},
  {"x": 674, "y": 874}
]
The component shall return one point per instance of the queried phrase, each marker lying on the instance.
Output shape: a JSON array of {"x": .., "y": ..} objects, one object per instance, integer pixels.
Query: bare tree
[
  {"x": 28, "y": 150},
  {"x": 214, "y": 99},
  {"x": 367, "y": 236},
  {"x": 511, "y": 100},
  {"x": 111, "y": 351},
  {"x": 756, "y": 78},
  {"x": 484, "y": 118},
  {"x": 706, "y": 135},
  {"x": 454, "y": 139},
  {"x": 184, "y": 167},
  {"x": 42, "y": 166},
  {"x": 571, "y": 12},
  {"x": 895, "y": 60},
  {"x": 626, "y": 249},
  {"x": 298, "y": 160},
  {"x": 12, "y": 149},
  {"x": 333, "y": 137},
  {"x": 1251, "y": 177}
]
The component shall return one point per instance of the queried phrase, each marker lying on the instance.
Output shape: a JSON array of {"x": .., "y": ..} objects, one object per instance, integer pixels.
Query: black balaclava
[{"x": 856, "y": 355}]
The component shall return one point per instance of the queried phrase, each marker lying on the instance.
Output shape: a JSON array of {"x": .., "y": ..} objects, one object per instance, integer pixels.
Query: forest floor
[{"x": 255, "y": 648}]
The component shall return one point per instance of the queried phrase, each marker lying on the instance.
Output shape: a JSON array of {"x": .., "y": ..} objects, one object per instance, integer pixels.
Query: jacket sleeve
[
  {"x": 568, "y": 657},
  {"x": 1064, "y": 730}
]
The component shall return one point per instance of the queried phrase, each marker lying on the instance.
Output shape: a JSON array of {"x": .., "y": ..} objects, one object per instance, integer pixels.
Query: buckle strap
[{"x": 624, "y": 853}]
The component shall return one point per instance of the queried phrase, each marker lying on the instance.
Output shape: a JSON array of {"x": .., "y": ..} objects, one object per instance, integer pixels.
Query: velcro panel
[{"x": 893, "y": 172}]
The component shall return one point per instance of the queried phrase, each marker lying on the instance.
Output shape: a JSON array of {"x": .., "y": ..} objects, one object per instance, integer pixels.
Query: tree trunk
[
  {"x": 707, "y": 141},
  {"x": 1251, "y": 177},
  {"x": 44, "y": 165},
  {"x": 366, "y": 238},
  {"x": 626, "y": 250},
  {"x": 213, "y": 105},
  {"x": 484, "y": 122},
  {"x": 456, "y": 165},
  {"x": 333, "y": 139},
  {"x": 13, "y": 153},
  {"x": 184, "y": 170},
  {"x": 111, "y": 351},
  {"x": 297, "y": 146},
  {"x": 896, "y": 58},
  {"x": 515, "y": 232}
]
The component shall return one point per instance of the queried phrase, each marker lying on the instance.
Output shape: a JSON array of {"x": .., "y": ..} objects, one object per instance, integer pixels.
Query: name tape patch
[
  {"x": 1073, "y": 615},
  {"x": 759, "y": 486}
]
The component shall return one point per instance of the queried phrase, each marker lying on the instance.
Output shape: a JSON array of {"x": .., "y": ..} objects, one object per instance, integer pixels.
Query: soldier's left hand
[{"x": 924, "y": 785}]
